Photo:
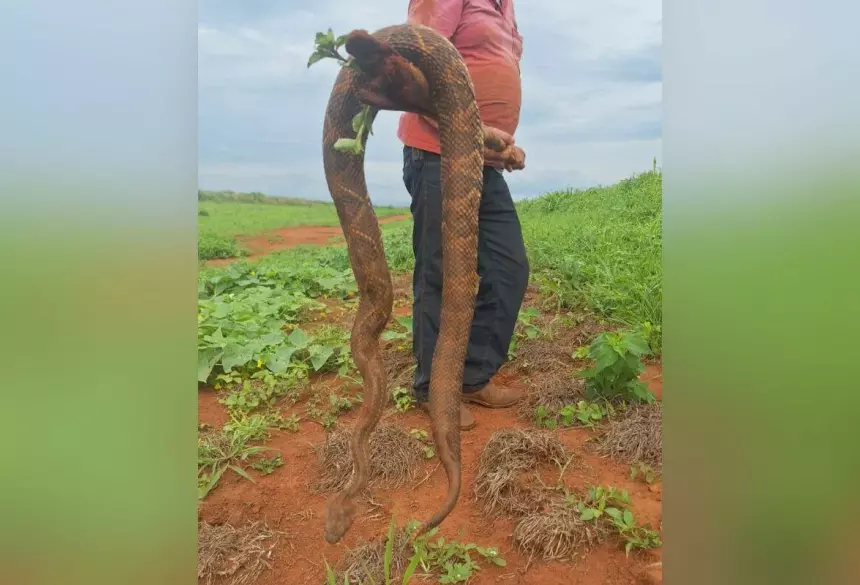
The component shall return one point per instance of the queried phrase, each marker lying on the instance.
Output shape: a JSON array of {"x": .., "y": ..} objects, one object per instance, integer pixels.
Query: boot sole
[{"x": 486, "y": 404}]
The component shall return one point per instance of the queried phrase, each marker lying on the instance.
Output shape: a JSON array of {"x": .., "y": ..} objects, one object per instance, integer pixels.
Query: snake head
[{"x": 338, "y": 519}]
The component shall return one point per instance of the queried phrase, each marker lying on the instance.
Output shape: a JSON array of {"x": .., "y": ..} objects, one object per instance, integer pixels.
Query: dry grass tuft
[
  {"x": 637, "y": 437},
  {"x": 399, "y": 364},
  {"x": 556, "y": 533},
  {"x": 552, "y": 352},
  {"x": 365, "y": 563},
  {"x": 553, "y": 393},
  {"x": 233, "y": 556},
  {"x": 395, "y": 458},
  {"x": 499, "y": 487}
]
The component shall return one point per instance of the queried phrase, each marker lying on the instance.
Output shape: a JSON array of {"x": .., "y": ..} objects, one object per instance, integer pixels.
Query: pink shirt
[{"x": 485, "y": 33}]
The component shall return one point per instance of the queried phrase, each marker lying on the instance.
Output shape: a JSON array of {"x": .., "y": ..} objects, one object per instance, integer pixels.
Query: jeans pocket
[{"x": 412, "y": 163}]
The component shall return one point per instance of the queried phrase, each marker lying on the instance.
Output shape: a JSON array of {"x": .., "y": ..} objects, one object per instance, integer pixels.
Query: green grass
[
  {"x": 224, "y": 215},
  {"x": 249, "y": 219},
  {"x": 601, "y": 250},
  {"x": 597, "y": 250}
]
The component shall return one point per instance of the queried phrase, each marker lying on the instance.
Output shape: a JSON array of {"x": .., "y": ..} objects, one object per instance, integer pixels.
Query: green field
[
  {"x": 222, "y": 218},
  {"x": 597, "y": 251}
]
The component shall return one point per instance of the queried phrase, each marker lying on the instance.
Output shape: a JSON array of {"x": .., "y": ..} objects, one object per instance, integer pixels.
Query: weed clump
[
  {"x": 553, "y": 395},
  {"x": 233, "y": 556},
  {"x": 499, "y": 487},
  {"x": 556, "y": 532},
  {"x": 637, "y": 437},
  {"x": 366, "y": 562},
  {"x": 395, "y": 458},
  {"x": 399, "y": 364}
]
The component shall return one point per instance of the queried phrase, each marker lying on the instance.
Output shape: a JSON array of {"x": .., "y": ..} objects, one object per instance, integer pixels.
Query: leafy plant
[
  {"x": 583, "y": 412},
  {"x": 612, "y": 504},
  {"x": 453, "y": 561},
  {"x": 634, "y": 536},
  {"x": 615, "y": 373},
  {"x": 267, "y": 466},
  {"x": 525, "y": 329},
  {"x": 403, "y": 332},
  {"x": 219, "y": 451},
  {"x": 211, "y": 246},
  {"x": 403, "y": 399},
  {"x": 326, "y": 410},
  {"x": 427, "y": 445},
  {"x": 326, "y": 46}
]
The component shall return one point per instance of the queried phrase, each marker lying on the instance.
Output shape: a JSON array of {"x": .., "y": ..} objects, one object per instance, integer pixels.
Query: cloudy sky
[{"x": 591, "y": 109}]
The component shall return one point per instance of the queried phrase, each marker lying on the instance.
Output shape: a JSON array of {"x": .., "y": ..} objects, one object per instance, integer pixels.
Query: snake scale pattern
[{"x": 439, "y": 86}]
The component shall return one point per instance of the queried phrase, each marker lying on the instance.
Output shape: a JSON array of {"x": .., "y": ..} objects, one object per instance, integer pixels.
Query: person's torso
[{"x": 487, "y": 38}]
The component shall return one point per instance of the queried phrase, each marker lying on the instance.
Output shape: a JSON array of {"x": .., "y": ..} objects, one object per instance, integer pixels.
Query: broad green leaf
[
  {"x": 299, "y": 339},
  {"x": 235, "y": 355},
  {"x": 628, "y": 518},
  {"x": 315, "y": 57},
  {"x": 273, "y": 338},
  {"x": 614, "y": 513},
  {"x": 221, "y": 310},
  {"x": 279, "y": 361},
  {"x": 206, "y": 360},
  {"x": 588, "y": 514},
  {"x": 320, "y": 357},
  {"x": 329, "y": 284},
  {"x": 636, "y": 345},
  {"x": 217, "y": 338},
  {"x": 405, "y": 322}
]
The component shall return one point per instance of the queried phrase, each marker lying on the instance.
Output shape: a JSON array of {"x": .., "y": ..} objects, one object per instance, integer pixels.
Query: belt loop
[{"x": 417, "y": 154}]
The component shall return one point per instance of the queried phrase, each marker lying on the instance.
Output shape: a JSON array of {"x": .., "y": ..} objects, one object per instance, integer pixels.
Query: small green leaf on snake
[
  {"x": 345, "y": 145},
  {"x": 314, "y": 58}
]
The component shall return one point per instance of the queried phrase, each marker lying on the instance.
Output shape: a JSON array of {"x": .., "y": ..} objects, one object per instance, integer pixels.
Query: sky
[{"x": 591, "y": 111}]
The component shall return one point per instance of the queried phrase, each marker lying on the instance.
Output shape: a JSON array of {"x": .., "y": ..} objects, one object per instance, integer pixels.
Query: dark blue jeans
[{"x": 502, "y": 267}]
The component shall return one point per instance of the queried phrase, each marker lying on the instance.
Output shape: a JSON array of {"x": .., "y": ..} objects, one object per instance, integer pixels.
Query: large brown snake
[{"x": 407, "y": 68}]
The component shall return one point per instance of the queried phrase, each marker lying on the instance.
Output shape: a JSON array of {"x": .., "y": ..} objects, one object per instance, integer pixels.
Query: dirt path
[{"x": 283, "y": 238}]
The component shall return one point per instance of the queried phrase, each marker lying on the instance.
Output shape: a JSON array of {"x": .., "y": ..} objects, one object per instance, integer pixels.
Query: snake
[{"x": 409, "y": 68}]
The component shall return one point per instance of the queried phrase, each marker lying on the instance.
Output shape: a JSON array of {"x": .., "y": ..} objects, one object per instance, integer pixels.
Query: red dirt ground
[
  {"x": 285, "y": 500},
  {"x": 279, "y": 239}
]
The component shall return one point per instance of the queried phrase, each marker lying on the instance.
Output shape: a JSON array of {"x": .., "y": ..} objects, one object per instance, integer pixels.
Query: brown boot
[
  {"x": 467, "y": 422},
  {"x": 492, "y": 396}
]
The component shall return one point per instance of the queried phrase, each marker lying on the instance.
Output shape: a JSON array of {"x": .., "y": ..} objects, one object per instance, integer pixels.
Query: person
[{"x": 485, "y": 33}]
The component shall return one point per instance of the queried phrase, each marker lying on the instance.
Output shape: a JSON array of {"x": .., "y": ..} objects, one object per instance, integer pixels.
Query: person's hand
[
  {"x": 516, "y": 160},
  {"x": 497, "y": 141},
  {"x": 511, "y": 159}
]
